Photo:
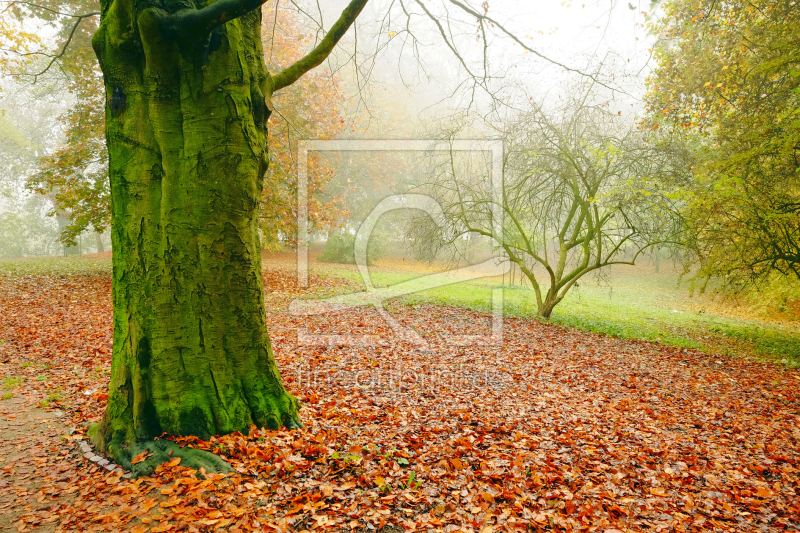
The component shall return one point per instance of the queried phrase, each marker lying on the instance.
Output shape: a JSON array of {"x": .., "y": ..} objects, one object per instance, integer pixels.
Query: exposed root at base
[
  {"x": 160, "y": 452},
  {"x": 163, "y": 451}
]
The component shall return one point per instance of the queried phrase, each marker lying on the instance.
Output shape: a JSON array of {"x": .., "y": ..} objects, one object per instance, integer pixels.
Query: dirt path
[{"x": 35, "y": 465}]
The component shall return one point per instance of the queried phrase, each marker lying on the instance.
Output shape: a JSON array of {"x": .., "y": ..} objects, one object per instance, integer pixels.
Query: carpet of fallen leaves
[{"x": 554, "y": 430}]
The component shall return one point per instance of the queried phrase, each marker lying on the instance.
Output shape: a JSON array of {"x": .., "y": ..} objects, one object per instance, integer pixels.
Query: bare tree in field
[{"x": 579, "y": 193}]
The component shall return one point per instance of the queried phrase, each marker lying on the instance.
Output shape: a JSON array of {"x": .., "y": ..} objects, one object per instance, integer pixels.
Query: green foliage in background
[
  {"x": 340, "y": 247},
  {"x": 727, "y": 86},
  {"x": 26, "y": 231}
]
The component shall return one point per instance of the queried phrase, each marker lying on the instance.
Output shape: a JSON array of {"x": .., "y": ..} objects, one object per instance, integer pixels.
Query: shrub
[{"x": 340, "y": 248}]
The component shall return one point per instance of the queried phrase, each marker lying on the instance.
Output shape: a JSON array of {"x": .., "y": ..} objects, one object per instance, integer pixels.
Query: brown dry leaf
[{"x": 141, "y": 457}]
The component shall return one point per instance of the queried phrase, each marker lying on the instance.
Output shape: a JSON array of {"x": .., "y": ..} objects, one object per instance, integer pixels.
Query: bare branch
[
  {"x": 43, "y": 8},
  {"x": 66, "y": 44},
  {"x": 291, "y": 74},
  {"x": 482, "y": 17}
]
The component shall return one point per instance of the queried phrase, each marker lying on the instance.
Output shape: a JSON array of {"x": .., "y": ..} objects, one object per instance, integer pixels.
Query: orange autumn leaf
[
  {"x": 141, "y": 457},
  {"x": 764, "y": 492},
  {"x": 170, "y": 503}
]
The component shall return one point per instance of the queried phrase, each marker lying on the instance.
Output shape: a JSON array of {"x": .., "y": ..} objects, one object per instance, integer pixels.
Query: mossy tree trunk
[{"x": 188, "y": 98}]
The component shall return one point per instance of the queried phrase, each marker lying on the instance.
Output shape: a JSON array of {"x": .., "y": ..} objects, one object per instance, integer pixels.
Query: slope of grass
[{"x": 642, "y": 306}]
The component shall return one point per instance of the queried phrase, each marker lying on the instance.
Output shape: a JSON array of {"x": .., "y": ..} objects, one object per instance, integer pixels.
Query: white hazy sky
[{"x": 579, "y": 34}]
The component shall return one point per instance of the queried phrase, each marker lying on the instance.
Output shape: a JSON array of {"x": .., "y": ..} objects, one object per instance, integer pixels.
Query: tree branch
[
  {"x": 482, "y": 17},
  {"x": 44, "y": 8},
  {"x": 66, "y": 44},
  {"x": 204, "y": 21},
  {"x": 293, "y": 73}
]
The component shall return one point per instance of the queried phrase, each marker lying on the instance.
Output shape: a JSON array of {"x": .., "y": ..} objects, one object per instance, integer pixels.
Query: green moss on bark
[{"x": 187, "y": 152}]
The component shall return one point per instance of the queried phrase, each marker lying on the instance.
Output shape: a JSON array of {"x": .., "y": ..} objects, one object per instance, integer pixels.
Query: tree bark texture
[{"x": 186, "y": 127}]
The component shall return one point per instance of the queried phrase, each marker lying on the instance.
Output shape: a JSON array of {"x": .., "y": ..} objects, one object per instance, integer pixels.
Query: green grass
[
  {"x": 61, "y": 266},
  {"x": 646, "y": 307},
  {"x": 11, "y": 383},
  {"x": 54, "y": 396},
  {"x": 628, "y": 314}
]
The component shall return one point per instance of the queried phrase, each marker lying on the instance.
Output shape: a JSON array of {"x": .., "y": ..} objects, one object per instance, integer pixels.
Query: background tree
[
  {"x": 727, "y": 86},
  {"x": 15, "y": 42},
  {"x": 579, "y": 194},
  {"x": 75, "y": 175},
  {"x": 308, "y": 109},
  {"x": 364, "y": 179},
  {"x": 26, "y": 231},
  {"x": 26, "y": 128}
]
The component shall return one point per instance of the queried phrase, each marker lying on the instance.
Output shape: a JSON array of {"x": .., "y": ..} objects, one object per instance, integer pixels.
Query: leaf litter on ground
[{"x": 555, "y": 430}]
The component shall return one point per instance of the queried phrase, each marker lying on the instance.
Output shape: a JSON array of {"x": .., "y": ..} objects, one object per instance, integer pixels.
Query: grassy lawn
[
  {"x": 87, "y": 265},
  {"x": 629, "y": 302}
]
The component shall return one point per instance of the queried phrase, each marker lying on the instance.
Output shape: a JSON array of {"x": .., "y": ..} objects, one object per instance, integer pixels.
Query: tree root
[{"x": 163, "y": 451}]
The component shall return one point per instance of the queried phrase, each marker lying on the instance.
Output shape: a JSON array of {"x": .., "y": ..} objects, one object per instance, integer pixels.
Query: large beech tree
[{"x": 188, "y": 98}]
